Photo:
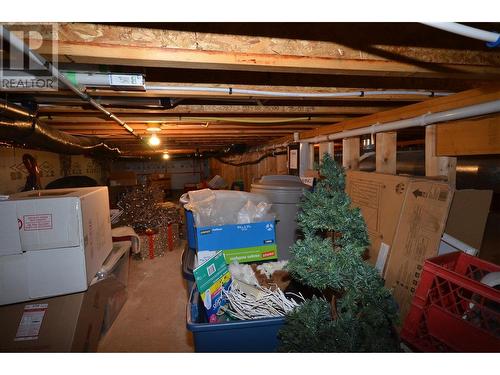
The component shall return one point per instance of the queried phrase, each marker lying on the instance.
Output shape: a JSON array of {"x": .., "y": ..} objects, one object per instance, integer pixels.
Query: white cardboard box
[{"x": 61, "y": 239}]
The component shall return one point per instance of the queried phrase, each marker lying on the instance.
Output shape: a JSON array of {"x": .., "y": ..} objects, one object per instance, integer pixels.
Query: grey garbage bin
[{"x": 284, "y": 192}]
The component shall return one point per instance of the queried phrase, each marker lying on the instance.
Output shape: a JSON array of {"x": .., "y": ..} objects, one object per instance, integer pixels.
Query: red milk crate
[{"x": 452, "y": 311}]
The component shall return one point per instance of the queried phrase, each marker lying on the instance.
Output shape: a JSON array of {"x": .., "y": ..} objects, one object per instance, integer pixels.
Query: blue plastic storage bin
[
  {"x": 191, "y": 230},
  {"x": 188, "y": 260},
  {"x": 235, "y": 236},
  {"x": 241, "y": 336}
]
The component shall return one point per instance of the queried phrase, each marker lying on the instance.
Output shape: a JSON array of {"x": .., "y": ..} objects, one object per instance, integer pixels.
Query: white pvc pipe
[
  {"x": 423, "y": 120},
  {"x": 464, "y": 30},
  {"x": 290, "y": 94}
]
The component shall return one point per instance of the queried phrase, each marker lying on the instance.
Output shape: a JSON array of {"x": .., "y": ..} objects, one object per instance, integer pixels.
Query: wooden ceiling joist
[
  {"x": 221, "y": 110},
  {"x": 145, "y": 119},
  {"x": 265, "y": 62},
  {"x": 131, "y": 46},
  {"x": 93, "y": 53},
  {"x": 142, "y": 131}
]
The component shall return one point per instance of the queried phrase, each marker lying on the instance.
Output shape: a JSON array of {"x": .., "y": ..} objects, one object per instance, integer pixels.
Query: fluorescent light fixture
[
  {"x": 154, "y": 140},
  {"x": 153, "y": 129}
]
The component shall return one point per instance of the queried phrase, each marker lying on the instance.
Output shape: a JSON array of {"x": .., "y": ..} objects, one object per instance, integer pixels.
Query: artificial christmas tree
[
  {"x": 359, "y": 314},
  {"x": 150, "y": 219}
]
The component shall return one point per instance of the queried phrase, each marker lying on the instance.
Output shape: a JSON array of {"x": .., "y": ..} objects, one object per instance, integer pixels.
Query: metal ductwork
[
  {"x": 473, "y": 172},
  {"x": 21, "y": 126}
]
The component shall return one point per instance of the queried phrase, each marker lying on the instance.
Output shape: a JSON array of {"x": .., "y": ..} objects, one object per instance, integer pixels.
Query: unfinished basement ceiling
[{"x": 411, "y": 61}]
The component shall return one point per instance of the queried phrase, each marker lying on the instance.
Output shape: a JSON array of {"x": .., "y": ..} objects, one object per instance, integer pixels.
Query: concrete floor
[{"x": 154, "y": 317}]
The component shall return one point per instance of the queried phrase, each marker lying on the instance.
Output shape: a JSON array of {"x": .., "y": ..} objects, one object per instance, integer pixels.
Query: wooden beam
[
  {"x": 173, "y": 120},
  {"x": 110, "y": 54},
  {"x": 108, "y": 127},
  {"x": 438, "y": 166},
  {"x": 350, "y": 153},
  {"x": 228, "y": 138},
  {"x": 172, "y": 133},
  {"x": 385, "y": 155},
  {"x": 115, "y": 45},
  {"x": 180, "y": 125},
  {"x": 228, "y": 41},
  {"x": 220, "y": 110},
  {"x": 469, "y": 137},
  {"x": 325, "y": 148},
  {"x": 465, "y": 98}
]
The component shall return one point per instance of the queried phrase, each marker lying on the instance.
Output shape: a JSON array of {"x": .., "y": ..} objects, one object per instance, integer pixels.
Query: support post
[
  {"x": 304, "y": 154},
  {"x": 438, "y": 166},
  {"x": 311, "y": 156},
  {"x": 386, "y": 152},
  {"x": 325, "y": 148},
  {"x": 350, "y": 153}
]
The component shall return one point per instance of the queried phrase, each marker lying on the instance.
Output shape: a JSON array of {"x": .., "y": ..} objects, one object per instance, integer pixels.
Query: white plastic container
[{"x": 284, "y": 192}]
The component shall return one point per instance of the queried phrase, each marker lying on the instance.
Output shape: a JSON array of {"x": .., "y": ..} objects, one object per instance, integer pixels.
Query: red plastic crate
[{"x": 451, "y": 310}]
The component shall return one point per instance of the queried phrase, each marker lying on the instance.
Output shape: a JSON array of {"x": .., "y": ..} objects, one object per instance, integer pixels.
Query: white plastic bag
[{"x": 221, "y": 207}]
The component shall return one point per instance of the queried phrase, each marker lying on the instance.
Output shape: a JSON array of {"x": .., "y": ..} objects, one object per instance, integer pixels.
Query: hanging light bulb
[
  {"x": 166, "y": 156},
  {"x": 154, "y": 140}
]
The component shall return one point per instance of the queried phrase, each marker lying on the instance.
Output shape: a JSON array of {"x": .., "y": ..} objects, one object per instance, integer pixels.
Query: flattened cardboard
[
  {"x": 407, "y": 222},
  {"x": 468, "y": 215},
  {"x": 421, "y": 225},
  {"x": 380, "y": 198}
]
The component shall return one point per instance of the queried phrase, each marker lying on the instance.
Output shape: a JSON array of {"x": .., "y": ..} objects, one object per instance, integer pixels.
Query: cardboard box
[
  {"x": 380, "y": 198},
  {"x": 242, "y": 255},
  {"x": 468, "y": 215},
  {"x": 60, "y": 241},
  {"x": 405, "y": 217},
  {"x": 122, "y": 178},
  {"x": 418, "y": 234},
  {"x": 70, "y": 323},
  {"x": 116, "y": 266},
  {"x": 242, "y": 242}
]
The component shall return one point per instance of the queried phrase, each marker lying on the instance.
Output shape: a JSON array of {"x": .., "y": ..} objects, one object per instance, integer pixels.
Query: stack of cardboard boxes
[{"x": 54, "y": 243}]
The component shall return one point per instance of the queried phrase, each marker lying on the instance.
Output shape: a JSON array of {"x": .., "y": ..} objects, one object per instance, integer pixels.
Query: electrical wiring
[{"x": 290, "y": 94}]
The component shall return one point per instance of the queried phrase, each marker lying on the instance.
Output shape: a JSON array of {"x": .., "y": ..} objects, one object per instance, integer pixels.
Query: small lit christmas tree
[
  {"x": 361, "y": 313},
  {"x": 140, "y": 208}
]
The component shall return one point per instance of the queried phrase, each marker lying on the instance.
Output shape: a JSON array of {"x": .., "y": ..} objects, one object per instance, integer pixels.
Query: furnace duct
[{"x": 21, "y": 126}]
